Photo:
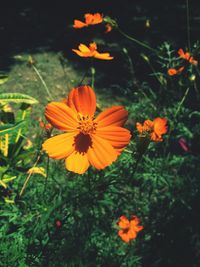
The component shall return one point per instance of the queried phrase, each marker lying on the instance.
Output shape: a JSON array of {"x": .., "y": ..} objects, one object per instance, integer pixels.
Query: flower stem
[
  {"x": 136, "y": 41},
  {"x": 43, "y": 82}
]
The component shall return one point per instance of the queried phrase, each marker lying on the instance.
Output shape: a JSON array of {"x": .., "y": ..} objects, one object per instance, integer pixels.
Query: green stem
[
  {"x": 181, "y": 102},
  {"x": 136, "y": 41},
  {"x": 43, "y": 82}
]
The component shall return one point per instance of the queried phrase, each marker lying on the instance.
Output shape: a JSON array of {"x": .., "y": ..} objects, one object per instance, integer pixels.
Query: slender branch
[
  {"x": 43, "y": 82},
  {"x": 136, "y": 41}
]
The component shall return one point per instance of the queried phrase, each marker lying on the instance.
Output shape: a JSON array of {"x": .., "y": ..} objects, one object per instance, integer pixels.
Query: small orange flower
[
  {"x": 108, "y": 28},
  {"x": 90, "y": 19},
  {"x": 173, "y": 71},
  {"x": 87, "y": 140},
  {"x": 187, "y": 56},
  {"x": 153, "y": 129},
  {"x": 91, "y": 51},
  {"x": 129, "y": 229}
]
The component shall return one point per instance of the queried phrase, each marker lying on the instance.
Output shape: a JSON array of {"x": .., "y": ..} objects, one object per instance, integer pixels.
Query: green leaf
[
  {"x": 17, "y": 98},
  {"x": 8, "y": 128}
]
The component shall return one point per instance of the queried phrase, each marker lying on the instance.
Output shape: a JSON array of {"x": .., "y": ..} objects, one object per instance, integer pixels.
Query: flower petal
[
  {"x": 79, "y": 24},
  {"x": 101, "y": 153},
  {"x": 104, "y": 56},
  {"x": 124, "y": 236},
  {"x": 118, "y": 137},
  {"x": 83, "y": 48},
  {"x": 82, "y": 99},
  {"x": 123, "y": 222},
  {"x": 77, "y": 162},
  {"x": 61, "y": 116},
  {"x": 115, "y": 116},
  {"x": 59, "y": 146}
]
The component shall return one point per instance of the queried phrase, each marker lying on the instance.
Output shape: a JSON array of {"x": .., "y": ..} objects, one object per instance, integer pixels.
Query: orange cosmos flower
[
  {"x": 129, "y": 229},
  {"x": 88, "y": 140},
  {"x": 173, "y": 71},
  {"x": 153, "y": 129},
  {"x": 187, "y": 56},
  {"x": 90, "y": 19},
  {"x": 91, "y": 51}
]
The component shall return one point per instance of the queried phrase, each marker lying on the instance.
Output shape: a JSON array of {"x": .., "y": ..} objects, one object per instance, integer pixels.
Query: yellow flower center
[{"x": 86, "y": 124}]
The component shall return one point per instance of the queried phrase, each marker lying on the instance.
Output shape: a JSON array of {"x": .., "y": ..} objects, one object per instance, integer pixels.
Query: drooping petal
[
  {"x": 61, "y": 116},
  {"x": 104, "y": 56},
  {"x": 114, "y": 116},
  {"x": 79, "y": 24},
  {"x": 101, "y": 153},
  {"x": 81, "y": 54},
  {"x": 59, "y": 146},
  {"x": 117, "y": 136},
  {"x": 82, "y": 99},
  {"x": 77, "y": 162}
]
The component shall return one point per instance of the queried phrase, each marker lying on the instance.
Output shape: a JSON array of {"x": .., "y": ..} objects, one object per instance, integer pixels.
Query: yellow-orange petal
[
  {"x": 82, "y": 99},
  {"x": 83, "y": 48},
  {"x": 101, "y": 153},
  {"x": 81, "y": 54},
  {"x": 59, "y": 146},
  {"x": 117, "y": 136},
  {"x": 103, "y": 56},
  {"x": 114, "y": 116},
  {"x": 79, "y": 24},
  {"x": 77, "y": 162},
  {"x": 61, "y": 116},
  {"x": 123, "y": 222}
]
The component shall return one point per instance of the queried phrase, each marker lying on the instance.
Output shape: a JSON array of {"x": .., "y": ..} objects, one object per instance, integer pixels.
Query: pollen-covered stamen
[{"x": 86, "y": 124}]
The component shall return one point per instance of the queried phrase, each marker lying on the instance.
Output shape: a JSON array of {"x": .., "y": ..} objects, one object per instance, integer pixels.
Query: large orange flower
[
  {"x": 129, "y": 229},
  {"x": 153, "y": 129},
  {"x": 91, "y": 51},
  {"x": 88, "y": 140},
  {"x": 90, "y": 19}
]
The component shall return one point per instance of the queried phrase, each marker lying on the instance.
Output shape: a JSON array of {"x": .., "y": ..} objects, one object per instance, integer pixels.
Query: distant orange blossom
[
  {"x": 87, "y": 140},
  {"x": 129, "y": 228},
  {"x": 90, "y": 19},
  {"x": 172, "y": 71},
  {"x": 91, "y": 51},
  {"x": 153, "y": 129},
  {"x": 187, "y": 56}
]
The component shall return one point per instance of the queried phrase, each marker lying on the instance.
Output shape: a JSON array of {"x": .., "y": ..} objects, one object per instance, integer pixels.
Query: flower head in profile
[
  {"x": 173, "y": 71},
  {"x": 108, "y": 28},
  {"x": 187, "y": 56},
  {"x": 88, "y": 140},
  {"x": 91, "y": 51},
  {"x": 129, "y": 228},
  {"x": 90, "y": 19},
  {"x": 153, "y": 129}
]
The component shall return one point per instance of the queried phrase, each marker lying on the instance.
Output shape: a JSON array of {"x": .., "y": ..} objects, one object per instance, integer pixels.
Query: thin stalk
[
  {"x": 93, "y": 76},
  {"x": 181, "y": 102},
  {"x": 42, "y": 81},
  {"x": 136, "y": 41},
  {"x": 29, "y": 176}
]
